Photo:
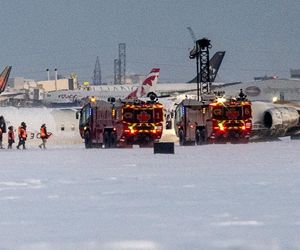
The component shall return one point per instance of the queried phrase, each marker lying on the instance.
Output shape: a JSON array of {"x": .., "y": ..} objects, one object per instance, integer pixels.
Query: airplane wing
[{"x": 7, "y": 95}]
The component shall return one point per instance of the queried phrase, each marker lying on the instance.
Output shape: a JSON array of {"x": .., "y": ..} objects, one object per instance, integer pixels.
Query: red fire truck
[
  {"x": 213, "y": 120},
  {"x": 120, "y": 123}
]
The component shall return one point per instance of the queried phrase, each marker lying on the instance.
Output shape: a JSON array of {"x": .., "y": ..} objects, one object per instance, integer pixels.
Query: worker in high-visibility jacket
[
  {"x": 22, "y": 133},
  {"x": 43, "y": 136},
  {"x": 10, "y": 137}
]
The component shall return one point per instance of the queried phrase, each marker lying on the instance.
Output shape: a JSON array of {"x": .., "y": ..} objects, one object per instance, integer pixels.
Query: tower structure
[
  {"x": 97, "y": 73},
  {"x": 122, "y": 62},
  {"x": 201, "y": 52},
  {"x": 116, "y": 71},
  {"x": 204, "y": 45}
]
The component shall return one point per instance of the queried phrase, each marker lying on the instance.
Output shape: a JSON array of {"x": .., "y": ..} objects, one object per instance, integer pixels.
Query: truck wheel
[
  {"x": 200, "y": 136},
  {"x": 148, "y": 144},
  {"x": 244, "y": 140},
  {"x": 181, "y": 138},
  {"x": 113, "y": 140},
  {"x": 106, "y": 139},
  {"x": 87, "y": 140}
]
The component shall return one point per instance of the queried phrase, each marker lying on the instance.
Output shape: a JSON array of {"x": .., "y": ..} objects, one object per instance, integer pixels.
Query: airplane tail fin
[
  {"x": 4, "y": 78},
  {"x": 148, "y": 85},
  {"x": 214, "y": 65}
]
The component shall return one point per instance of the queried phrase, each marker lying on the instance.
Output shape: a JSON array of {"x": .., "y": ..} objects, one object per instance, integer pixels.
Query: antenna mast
[{"x": 97, "y": 73}]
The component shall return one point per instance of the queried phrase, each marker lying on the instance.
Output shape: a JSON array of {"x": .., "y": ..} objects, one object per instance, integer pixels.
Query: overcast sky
[{"x": 259, "y": 37}]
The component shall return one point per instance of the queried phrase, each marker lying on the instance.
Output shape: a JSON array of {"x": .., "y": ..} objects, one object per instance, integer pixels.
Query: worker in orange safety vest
[
  {"x": 44, "y": 136},
  {"x": 22, "y": 133},
  {"x": 10, "y": 137}
]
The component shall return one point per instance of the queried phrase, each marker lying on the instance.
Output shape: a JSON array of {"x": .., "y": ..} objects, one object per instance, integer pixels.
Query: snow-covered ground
[{"x": 204, "y": 197}]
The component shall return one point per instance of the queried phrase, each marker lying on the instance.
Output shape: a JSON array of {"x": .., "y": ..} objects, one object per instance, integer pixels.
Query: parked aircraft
[
  {"x": 174, "y": 89},
  {"x": 74, "y": 97},
  {"x": 214, "y": 65},
  {"x": 4, "y": 78},
  {"x": 4, "y": 94},
  {"x": 3, "y": 82},
  {"x": 148, "y": 85}
]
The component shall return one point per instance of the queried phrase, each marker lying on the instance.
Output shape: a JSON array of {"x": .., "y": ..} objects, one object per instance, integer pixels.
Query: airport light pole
[
  {"x": 48, "y": 74},
  {"x": 55, "y": 70}
]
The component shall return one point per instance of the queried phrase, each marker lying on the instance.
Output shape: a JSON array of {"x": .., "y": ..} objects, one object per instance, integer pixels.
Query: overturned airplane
[
  {"x": 271, "y": 121},
  {"x": 275, "y": 106}
]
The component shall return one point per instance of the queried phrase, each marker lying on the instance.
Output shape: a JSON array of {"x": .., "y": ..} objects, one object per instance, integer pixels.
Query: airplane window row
[{"x": 62, "y": 127}]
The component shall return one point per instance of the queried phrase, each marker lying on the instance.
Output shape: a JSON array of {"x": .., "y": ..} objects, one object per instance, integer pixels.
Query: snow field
[{"x": 204, "y": 197}]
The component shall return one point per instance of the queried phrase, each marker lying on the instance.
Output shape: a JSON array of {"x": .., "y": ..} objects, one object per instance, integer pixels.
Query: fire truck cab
[
  {"x": 213, "y": 120},
  {"x": 120, "y": 123}
]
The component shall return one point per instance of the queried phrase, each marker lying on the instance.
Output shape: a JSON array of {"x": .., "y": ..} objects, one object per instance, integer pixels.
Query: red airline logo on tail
[
  {"x": 152, "y": 77},
  {"x": 148, "y": 83},
  {"x": 4, "y": 78}
]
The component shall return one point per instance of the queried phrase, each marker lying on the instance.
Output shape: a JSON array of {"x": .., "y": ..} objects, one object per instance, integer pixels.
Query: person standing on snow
[
  {"x": 10, "y": 137},
  {"x": 44, "y": 136},
  {"x": 2, "y": 129},
  {"x": 22, "y": 135},
  {"x": 2, "y": 124},
  {"x": 1, "y": 138}
]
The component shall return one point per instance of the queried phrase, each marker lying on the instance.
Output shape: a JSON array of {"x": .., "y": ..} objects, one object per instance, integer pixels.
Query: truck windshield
[{"x": 85, "y": 115}]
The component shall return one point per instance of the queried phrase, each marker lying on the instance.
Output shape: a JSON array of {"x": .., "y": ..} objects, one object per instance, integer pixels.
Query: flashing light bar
[
  {"x": 221, "y": 99},
  {"x": 92, "y": 99}
]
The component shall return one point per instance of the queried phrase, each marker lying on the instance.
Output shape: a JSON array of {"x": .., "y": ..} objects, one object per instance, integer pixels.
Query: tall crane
[{"x": 192, "y": 34}]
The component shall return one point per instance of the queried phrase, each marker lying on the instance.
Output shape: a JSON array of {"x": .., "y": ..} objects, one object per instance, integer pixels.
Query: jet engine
[
  {"x": 271, "y": 121},
  {"x": 280, "y": 119}
]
